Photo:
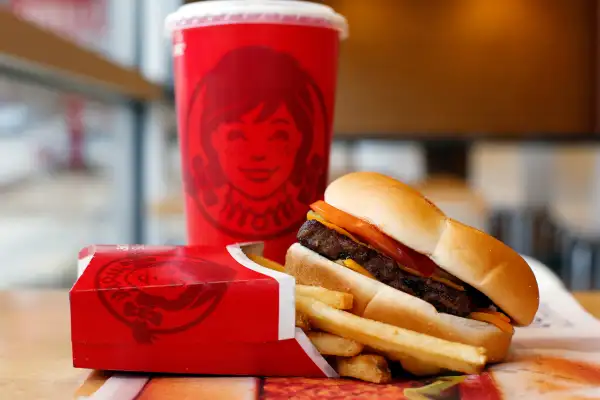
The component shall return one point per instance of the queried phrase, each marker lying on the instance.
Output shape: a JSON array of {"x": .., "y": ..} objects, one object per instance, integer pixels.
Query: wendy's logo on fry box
[
  {"x": 161, "y": 295},
  {"x": 257, "y": 143}
]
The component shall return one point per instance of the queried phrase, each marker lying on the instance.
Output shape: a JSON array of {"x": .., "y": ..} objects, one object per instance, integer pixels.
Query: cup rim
[{"x": 224, "y": 12}]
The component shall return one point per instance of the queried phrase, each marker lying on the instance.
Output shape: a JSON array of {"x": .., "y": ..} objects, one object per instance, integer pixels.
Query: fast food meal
[
  {"x": 379, "y": 265},
  {"x": 362, "y": 346},
  {"x": 410, "y": 266}
]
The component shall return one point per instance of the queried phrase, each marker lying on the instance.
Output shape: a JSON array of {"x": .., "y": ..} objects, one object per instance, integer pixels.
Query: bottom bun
[{"x": 377, "y": 301}]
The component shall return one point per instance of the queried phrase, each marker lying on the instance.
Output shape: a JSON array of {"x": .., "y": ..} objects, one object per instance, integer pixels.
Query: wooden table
[{"x": 35, "y": 352}]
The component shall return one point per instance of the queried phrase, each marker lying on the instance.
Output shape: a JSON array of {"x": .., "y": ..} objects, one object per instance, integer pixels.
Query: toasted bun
[
  {"x": 474, "y": 257},
  {"x": 377, "y": 301}
]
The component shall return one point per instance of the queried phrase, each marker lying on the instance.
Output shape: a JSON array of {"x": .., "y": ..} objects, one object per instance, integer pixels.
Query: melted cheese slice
[
  {"x": 492, "y": 317},
  {"x": 356, "y": 267},
  {"x": 314, "y": 216}
]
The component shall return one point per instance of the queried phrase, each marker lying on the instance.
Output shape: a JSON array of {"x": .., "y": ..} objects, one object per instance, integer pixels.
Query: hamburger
[{"x": 409, "y": 265}]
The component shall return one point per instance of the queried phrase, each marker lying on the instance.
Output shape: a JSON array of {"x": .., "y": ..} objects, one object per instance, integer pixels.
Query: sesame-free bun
[
  {"x": 472, "y": 256},
  {"x": 380, "y": 302}
]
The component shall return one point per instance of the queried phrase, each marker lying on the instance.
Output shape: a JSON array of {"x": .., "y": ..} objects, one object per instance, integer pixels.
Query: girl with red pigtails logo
[{"x": 260, "y": 124}]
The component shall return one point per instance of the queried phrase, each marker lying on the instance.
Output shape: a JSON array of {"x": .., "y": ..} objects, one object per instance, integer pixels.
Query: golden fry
[
  {"x": 414, "y": 366},
  {"x": 409, "y": 364},
  {"x": 265, "y": 262},
  {"x": 333, "y": 345},
  {"x": 339, "y": 300},
  {"x": 302, "y": 321},
  {"x": 366, "y": 367},
  {"x": 390, "y": 339}
]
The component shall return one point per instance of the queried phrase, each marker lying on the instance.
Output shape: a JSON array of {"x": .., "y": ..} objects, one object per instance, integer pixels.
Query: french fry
[
  {"x": 302, "y": 321},
  {"x": 409, "y": 364},
  {"x": 265, "y": 262},
  {"x": 333, "y": 345},
  {"x": 366, "y": 367},
  {"x": 390, "y": 339},
  {"x": 339, "y": 300},
  {"x": 414, "y": 366}
]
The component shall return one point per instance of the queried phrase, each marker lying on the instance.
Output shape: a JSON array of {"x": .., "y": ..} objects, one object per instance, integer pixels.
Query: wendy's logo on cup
[
  {"x": 257, "y": 135},
  {"x": 157, "y": 296}
]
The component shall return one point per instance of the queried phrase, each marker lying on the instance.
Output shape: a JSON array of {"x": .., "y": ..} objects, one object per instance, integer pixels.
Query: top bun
[{"x": 474, "y": 257}]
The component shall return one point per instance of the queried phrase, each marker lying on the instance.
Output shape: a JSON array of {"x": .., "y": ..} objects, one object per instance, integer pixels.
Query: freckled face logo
[
  {"x": 158, "y": 295},
  {"x": 256, "y": 140}
]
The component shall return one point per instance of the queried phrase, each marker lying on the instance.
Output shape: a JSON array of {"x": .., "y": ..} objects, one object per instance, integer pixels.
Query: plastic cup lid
[{"x": 221, "y": 12}]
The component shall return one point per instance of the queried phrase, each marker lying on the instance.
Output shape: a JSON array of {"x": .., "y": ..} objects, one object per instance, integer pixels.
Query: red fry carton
[{"x": 191, "y": 310}]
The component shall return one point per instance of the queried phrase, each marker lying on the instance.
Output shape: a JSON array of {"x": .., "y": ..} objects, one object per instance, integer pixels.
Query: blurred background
[{"x": 489, "y": 107}]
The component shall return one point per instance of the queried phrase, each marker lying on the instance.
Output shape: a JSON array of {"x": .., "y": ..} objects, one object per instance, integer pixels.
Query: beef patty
[{"x": 335, "y": 246}]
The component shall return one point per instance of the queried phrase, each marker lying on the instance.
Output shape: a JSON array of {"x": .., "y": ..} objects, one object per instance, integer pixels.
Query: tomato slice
[{"x": 377, "y": 239}]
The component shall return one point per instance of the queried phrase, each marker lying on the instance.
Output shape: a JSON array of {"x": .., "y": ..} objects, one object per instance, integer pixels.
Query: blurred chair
[
  {"x": 515, "y": 179},
  {"x": 575, "y": 209}
]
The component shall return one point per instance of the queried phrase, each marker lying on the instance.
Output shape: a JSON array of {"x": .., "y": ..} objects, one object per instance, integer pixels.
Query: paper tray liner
[{"x": 527, "y": 374}]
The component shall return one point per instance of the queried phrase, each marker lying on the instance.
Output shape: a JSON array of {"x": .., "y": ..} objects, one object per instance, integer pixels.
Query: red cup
[{"x": 255, "y": 85}]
